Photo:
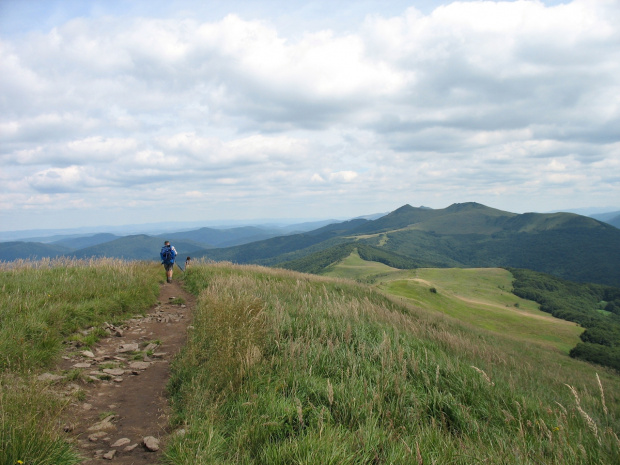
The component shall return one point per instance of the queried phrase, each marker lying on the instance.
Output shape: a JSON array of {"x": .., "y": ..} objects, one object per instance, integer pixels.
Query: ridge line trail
[{"x": 131, "y": 395}]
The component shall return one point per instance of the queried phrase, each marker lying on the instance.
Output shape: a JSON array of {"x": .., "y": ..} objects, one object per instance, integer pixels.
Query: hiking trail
[{"x": 122, "y": 413}]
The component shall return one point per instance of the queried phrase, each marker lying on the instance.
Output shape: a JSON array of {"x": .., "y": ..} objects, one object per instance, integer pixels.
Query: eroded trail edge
[{"x": 122, "y": 413}]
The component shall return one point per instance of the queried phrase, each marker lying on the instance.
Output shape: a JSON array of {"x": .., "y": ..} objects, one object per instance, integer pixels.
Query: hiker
[
  {"x": 187, "y": 260},
  {"x": 168, "y": 254}
]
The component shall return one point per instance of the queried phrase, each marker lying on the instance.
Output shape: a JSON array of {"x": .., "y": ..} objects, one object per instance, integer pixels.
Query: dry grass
[{"x": 329, "y": 371}]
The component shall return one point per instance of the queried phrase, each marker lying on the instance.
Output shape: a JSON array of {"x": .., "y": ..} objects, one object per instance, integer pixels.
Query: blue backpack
[{"x": 166, "y": 255}]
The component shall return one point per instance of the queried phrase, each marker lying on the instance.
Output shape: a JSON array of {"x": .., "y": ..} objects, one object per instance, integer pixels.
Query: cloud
[
  {"x": 62, "y": 180},
  {"x": 470, "y": 101}
]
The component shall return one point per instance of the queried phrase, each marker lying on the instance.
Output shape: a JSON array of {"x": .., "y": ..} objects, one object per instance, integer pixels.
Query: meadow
[
  {"x": 283, "y": 367},
  {"x": 43, "y": 306},
  {"x": 480, "y": 297}
]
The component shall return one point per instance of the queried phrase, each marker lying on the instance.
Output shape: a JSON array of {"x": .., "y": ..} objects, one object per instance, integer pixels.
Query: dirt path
[{"x": 122, "y": 387}]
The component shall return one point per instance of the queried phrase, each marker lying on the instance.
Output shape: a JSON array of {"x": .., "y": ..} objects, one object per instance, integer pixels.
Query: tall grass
[
  {"x": 42, "y": 304},
  {"x": 287, "y": 368},
  {"x": 30, "y": 428}
]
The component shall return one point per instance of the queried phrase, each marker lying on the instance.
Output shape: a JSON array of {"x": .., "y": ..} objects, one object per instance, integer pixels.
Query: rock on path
[{"x": 122, "y": 413}]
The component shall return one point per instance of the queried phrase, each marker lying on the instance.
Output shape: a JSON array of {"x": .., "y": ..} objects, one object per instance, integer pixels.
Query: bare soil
[{"x": 122, "y": 394}]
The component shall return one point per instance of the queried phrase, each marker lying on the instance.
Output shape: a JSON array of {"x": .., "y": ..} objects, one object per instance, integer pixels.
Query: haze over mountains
[{"x": 567, "y": 245}]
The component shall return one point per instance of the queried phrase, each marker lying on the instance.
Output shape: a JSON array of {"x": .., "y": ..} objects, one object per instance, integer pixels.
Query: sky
[{"x": 122, "y": 112}]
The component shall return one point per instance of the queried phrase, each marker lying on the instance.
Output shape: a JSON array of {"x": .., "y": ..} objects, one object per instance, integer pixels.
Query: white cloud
[
  {"x": 343, "y": 176},
  {"x": 472, "y": 101},
  {"x": 62, "y": 180}
]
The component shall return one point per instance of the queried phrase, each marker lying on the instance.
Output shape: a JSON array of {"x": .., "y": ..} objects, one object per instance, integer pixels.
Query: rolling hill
[
  {"x": 138, "y": 247},
  {"x": 567, "y": 245},
  {"x": 81, "y": 242},
  {"x": 612, "y": 218},
  {"x": 10, "y": 251},
  {"x": 210, "y": 237}
]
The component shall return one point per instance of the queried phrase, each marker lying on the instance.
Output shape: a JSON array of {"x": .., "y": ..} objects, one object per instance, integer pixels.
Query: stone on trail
[
  {"x": 128, "y": 348},
  {"x": 49, "y": 377},
  {"x": 151, "y": 443},
  {"x": 81, "y": 365},
  {"x": 109, "y": 455},
  {"x": 130, "y": 448},
  {"x": 121, "y": 442},
  {"x": 139, "y": 365},
  {"x": 96, "y": 436},
  {"x": 104, "y": 424},
  {"x": 88, "y": 354},
  {"x": 114, "y": 371}
]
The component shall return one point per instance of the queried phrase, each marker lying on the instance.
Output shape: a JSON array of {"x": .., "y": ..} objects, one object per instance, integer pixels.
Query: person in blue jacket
[{"x": 168, "y": 254}]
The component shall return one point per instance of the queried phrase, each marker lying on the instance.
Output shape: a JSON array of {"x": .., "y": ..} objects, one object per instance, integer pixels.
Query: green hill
[
  {"x": 480, "y": 297},
  {"x": 319, "y": 262},
  {"x": 10, "y": 251},
  {"x": 138, "y": 247},
  {"x": 82, "y": 242},
  {"x": 285, "y": 248},
  {"x": 612, "y": 218},
  {"x": 491, "y": 299},
  {"x": 570, "y": 246},
  {"x": 210, "y": 237},
  {"x": 282, "y": 367}
]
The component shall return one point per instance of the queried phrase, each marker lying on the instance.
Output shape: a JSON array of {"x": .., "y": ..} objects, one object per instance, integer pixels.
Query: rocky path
[{"x": 122, "y": 412}]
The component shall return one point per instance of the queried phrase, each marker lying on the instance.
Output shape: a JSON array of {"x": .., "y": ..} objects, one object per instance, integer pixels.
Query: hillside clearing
[{"x": 481, "y": 297}]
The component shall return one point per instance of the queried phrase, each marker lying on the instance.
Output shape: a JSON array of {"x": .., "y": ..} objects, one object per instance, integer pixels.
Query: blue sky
[{"x": 115, "y": 112}]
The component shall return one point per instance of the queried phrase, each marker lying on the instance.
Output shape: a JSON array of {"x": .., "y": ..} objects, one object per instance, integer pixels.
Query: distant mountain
[
  {"x": 81, "y": 242},
  {"x": 10, "y": 251},
  {"x": 304, "y": 227},
  {"x": 612, "y": 218},
  {"x": 374, "y": 216},
  {"x": 567, "y": 245},
  {"x": 138, "y": 247},
  {"x": 210, "y": 237}
]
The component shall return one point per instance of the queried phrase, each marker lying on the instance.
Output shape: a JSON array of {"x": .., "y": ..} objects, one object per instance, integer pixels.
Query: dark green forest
[{"x": 593, "y": 306}]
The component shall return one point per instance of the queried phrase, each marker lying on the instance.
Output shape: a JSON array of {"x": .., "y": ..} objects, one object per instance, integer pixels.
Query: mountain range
[{"x": 566, "y": 245}]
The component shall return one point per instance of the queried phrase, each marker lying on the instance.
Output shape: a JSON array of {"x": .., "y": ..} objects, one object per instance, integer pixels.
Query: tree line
[{"x": 594, "y": 307}]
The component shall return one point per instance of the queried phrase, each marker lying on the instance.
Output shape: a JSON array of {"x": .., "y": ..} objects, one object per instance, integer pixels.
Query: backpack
[{"x": 166, "y": 254}]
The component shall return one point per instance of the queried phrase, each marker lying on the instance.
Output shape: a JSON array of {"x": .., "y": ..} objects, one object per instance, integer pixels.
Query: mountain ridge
[
  {"x": 468, "y": 234},
  {"x": 568, "y": 245}
]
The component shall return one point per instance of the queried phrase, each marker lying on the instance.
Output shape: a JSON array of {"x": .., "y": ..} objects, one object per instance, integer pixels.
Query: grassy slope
[
  {"x": 480, "y": 297},
  {"x": 354, "y": 267},
  {"x": 283, "y": 368},
  {"x": 43, "y": 304}
]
